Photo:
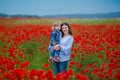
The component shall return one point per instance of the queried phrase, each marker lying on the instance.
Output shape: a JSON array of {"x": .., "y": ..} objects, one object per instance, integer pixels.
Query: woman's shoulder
[{"x": 70, "y": 37}]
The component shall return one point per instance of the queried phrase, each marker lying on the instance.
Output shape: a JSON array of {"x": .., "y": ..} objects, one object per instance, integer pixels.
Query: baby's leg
[
  {"x": 51, "y": 57},
  {"x": 57, "y": 55},
  {"x": 57, "y": 52}
]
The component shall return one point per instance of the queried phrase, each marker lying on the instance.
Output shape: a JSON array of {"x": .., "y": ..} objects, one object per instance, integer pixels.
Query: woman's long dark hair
[{"x": 70, "y": 32}]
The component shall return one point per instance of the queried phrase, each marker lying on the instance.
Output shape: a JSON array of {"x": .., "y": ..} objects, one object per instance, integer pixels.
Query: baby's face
[{"x": 57, "y": 27}]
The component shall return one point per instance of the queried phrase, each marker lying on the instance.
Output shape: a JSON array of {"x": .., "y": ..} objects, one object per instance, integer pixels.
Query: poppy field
[{"x": 24, "y": 49}]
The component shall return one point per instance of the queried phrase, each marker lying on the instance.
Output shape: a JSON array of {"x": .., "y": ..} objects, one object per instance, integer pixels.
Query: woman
[{"x": 65, "y": 46}]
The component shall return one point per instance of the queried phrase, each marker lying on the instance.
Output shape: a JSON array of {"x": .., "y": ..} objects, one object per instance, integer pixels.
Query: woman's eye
[{"x": 65, "y": 27}]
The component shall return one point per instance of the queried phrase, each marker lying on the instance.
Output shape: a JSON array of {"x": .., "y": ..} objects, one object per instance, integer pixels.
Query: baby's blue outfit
[{"x": 55, "y": 37}]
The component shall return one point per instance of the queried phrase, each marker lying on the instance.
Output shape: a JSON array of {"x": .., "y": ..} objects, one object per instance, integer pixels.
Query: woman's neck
[{"x": 66, "y": 35}]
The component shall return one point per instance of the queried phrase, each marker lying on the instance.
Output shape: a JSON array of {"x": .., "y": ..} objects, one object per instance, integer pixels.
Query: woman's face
[{"x": 65, "y": 29}]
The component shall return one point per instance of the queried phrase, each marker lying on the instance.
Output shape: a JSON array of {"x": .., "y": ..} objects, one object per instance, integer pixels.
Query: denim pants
[{"x": 59, "y": 67}]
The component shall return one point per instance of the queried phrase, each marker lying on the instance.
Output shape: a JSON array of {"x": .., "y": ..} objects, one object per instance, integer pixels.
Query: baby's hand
[
  {"x": 57, "y": 47},
  {"x": 54, "y": 43}
]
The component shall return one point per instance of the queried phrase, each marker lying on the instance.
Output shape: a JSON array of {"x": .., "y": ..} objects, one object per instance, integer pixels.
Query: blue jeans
[{"x": 59, "y": 67}]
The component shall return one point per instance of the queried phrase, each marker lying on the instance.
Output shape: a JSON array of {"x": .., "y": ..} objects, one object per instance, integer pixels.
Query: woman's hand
[{"x": 57, "y": 47}]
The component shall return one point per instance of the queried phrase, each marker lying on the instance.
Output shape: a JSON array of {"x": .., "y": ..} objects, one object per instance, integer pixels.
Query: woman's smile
[{"x": 65, "y": 29}]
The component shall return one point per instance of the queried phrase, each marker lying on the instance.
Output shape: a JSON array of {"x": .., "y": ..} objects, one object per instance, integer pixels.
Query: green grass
[
  {"x": 39, "y": 57},
  {"x": 94, "y": 21},
  {"x": 48, "y": 21}
]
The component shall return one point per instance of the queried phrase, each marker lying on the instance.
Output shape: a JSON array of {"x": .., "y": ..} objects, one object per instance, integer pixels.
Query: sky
[{"x": 54, "y": 7}]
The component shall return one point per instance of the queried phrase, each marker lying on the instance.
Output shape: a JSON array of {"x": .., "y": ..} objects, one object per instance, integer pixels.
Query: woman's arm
[
  {"x": 52, "y": 48},
  {"x": 66, "y": 48}
]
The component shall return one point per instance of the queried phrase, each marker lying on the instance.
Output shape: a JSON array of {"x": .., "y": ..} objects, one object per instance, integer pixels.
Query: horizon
[
  {"x": 63, "y": 14},
  {"x": 53, "y": 7}
]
